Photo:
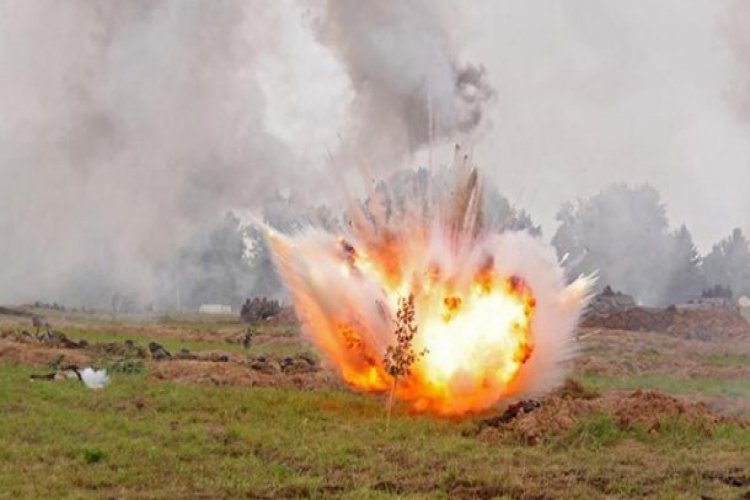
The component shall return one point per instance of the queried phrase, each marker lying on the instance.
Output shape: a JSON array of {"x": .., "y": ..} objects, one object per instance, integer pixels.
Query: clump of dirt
[{"x": 557, "y": 413}]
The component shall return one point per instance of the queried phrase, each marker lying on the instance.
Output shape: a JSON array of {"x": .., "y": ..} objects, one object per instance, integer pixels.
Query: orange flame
[{"x": 475, "y": 318}]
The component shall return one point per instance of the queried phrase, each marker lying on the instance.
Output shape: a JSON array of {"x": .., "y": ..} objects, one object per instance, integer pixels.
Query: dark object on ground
[
  {"x": 297, "y": 364},
  {"x": 215, "y": 357},
  {"x": 59, "y": 339},
  {"x": 512, "y": 412},
  {"x": 158, "y": 352},
  {"x": 186, "y": 354},
  {"x": 69, "y": 372},
  {"x": 259, "y": 309}
]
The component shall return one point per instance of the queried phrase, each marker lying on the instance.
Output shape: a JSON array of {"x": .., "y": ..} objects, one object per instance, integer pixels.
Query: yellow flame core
[
  {"x": 475, "y": 338},
  {"x": 473, "y": 343}
]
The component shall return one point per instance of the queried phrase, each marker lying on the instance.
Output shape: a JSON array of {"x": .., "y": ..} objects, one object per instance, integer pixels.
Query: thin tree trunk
[{"x": 390, "y": 404}]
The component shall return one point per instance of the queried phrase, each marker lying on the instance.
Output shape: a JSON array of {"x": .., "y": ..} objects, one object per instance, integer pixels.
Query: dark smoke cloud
[{"x": 410, "y": 86}]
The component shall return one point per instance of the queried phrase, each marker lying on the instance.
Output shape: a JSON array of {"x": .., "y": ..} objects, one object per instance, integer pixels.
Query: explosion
[{"x": 492, "y": 316}]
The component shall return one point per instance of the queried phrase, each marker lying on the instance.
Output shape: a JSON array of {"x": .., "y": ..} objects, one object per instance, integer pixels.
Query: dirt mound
[
  {"x": 235, "y": 374},
  {"x": 37, "y": 355},
  {"x": 556, "y": 414},
  {"x": 650, "y": 409},
  {"x": 705, "y": 324},
  {"x": 633, "y": 319},
  {"x": 700, "y": 324}
]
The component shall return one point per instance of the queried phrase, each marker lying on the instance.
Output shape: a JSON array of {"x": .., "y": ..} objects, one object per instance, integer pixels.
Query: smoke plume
[
  {"x": 126, "y": 125},
  {"x": 128, "y": 128},
  {"x": 409, "y": 85}
]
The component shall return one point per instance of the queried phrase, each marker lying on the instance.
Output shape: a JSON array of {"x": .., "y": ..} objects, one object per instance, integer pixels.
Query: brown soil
[
  {"x": 648, "y": 410},
  {"x": 236, "y": 374},
  {"x": 18, "y": 352}
]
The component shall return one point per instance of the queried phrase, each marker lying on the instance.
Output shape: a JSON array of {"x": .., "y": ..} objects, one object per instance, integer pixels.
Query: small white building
[{"x": 215, "y": 309}]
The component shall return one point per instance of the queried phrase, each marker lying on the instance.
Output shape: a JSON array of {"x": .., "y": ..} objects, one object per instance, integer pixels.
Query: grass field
[{"x": 148, "y": 438}]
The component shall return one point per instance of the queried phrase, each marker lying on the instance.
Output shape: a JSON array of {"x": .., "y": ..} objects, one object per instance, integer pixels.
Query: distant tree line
[{"x": 622, "y": 233}]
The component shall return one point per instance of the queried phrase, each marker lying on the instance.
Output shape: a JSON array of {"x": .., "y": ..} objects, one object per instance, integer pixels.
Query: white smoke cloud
[
  {"x": 589, "y": 93},
  {"x": 410, "y": 86},
  {"x": 94, "y": 379},
  {"x": 127, "y": 125}
]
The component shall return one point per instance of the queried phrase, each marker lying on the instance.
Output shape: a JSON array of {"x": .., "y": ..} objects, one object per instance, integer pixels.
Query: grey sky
[{"x": 126, "y": 125}]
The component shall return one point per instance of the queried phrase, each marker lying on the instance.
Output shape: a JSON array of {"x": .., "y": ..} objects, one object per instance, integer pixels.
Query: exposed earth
[{"x": 657, "y": 404}]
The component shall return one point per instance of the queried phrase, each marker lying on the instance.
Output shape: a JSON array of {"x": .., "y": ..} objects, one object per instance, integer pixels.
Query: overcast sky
[
  {"x": 586, "y": 93},
  {"x": 125, "y": 126}
]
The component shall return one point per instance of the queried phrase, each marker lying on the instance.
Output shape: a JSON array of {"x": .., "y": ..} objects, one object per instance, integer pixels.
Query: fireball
[{"x": 491, "y": 314}]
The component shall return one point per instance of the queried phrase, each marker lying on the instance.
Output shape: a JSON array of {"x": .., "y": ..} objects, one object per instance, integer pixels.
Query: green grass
[
  {"x": 140, "y": 437},
  {"x": 705, "y": 386},
  {"x": 728, "y": 360}
]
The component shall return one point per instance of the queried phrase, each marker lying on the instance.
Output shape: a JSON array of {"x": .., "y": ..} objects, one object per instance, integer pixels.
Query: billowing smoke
[
  {"x": 130, "y": 129},
  {"x": 410, "y": 86},
  {"x": 420, "y": 295},
  {"x": 588, "y": 93},
  {"x": 126, "y": 126}
]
